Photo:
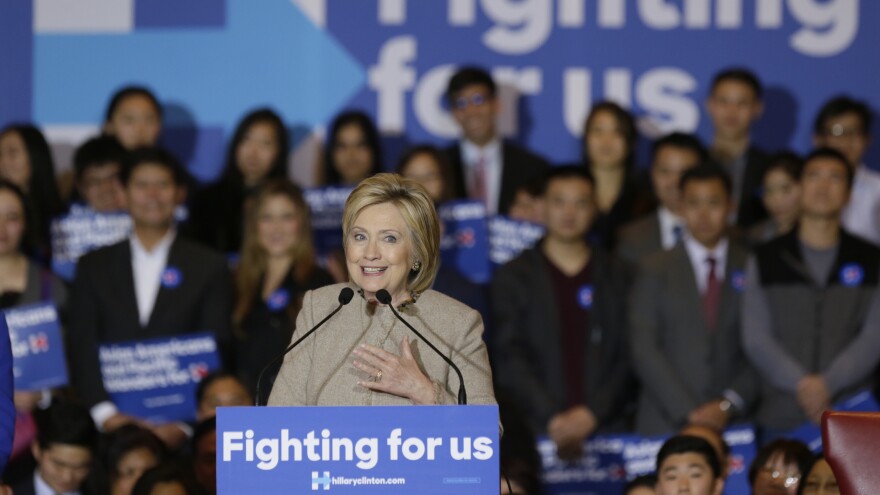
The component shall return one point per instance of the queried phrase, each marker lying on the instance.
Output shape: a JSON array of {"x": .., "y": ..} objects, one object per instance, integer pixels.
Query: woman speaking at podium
[{"x": 365, "y": 354}]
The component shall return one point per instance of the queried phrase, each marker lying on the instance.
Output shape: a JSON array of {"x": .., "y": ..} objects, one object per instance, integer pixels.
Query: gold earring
[{"x": 417, "y": 266}]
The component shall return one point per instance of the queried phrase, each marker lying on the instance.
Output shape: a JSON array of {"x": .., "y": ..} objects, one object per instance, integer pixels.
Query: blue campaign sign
[
  {"x": 610, "y": 460},
  {"x": 465, "y": 241},
  {"x": 37, "y": 349},
  {"x": 358, "y": 450},
  {"x": 156, "y": 379},
  {"x": 326, "y": 205},
  {"x": 508, "y": 238},
  {"x": 811, "y": 435},
  {"x": 81, "y": 231}
]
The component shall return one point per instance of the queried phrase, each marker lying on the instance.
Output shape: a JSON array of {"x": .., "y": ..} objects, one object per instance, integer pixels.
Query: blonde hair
[
  {"x": 252, "y": 266},
  {"x": 417, "y": 210}
]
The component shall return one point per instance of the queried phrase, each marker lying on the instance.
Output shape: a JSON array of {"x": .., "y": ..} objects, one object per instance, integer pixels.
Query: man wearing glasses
[
  {"x": 845, "y": 124},
  {"x": 484, "y": 167}
]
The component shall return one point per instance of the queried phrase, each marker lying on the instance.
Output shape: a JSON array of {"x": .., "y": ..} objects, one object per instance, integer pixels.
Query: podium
[{"x": 358, "y": 450}]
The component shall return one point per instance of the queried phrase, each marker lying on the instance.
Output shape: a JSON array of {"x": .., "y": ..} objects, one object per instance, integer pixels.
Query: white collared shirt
[
  {"x": 668, "y": 222},
  {"x": 147, "y": 268},
  {"x": 862, "y": 215},
  {"x": 698, "y": 255},
  {"x": 43, "y": 488},
  {"x": 493, "y": 165}
]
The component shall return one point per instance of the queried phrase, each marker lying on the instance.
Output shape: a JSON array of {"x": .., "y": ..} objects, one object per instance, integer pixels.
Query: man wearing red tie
[
  {"x": 484, "y": 167},
  {"x": 684, "y": 318}
]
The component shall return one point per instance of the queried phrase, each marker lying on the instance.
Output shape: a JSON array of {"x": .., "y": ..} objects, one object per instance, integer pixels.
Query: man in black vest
[{"x": 811, "y": 311}]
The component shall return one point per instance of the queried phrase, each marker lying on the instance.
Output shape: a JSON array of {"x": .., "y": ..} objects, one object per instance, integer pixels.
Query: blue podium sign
[
  {"x": 156, "y": 379},
  {"x": 37, "y": 350},
  {"x": 358, "y": 450}
]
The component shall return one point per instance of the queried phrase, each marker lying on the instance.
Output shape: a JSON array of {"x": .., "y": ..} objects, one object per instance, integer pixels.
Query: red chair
[{"x": 852, "y": 446}]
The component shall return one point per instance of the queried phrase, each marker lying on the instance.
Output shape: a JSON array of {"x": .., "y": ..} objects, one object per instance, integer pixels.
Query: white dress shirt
[
  {"x": 493, "y": 164},
  {"x": 668, "y": 222},
  {"x": 862, "y": 215},
  {"x": 698, "y": 255},
  {"x": 147, "y": 268},
  {"x": 43, "y": 488}
]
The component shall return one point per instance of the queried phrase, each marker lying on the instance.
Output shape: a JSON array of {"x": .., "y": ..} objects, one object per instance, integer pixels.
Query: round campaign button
[
  {"x": 171, "y": 277},
  {"x": 585, "y": 296},
  {"x": 278, "y": 300},
  {"x": 851, "y": 275}
]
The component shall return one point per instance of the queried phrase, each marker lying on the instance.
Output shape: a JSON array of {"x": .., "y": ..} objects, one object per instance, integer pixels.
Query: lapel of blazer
[
  {"x": 459, "y": 185},
  {"x": 655, "y": 237},
  {"x": 125, "y": 288},
  {"x": 686, "y": 284},
  {"x": 545, "y": 298},
  {"x": 734, "y": 274},
  {"x": 166, "y": 296}
]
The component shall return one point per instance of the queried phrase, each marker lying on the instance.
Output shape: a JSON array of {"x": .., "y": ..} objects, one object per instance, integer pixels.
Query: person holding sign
[
  {"x": 22, "y": 281},
  {"x": 152, "y": 285},
  {"x": 96, "y": 168},
  {"x": 366, "y": 355}
]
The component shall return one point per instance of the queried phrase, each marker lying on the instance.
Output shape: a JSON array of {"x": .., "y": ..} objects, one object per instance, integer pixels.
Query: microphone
[
  {"x": 345, "y": 296},
  {"x": 385, "y": 298}
]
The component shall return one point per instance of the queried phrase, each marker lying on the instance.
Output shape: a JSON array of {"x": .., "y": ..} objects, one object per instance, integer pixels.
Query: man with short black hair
[
  {"x": 484, "y": 167},
  {"x": 688, "y": 464},
  {"x": 559, "y": 323},
  {"x": 684, "y": 318},
  {"x": 811, "y": 310},
  {"x": 153, "y": 284},
  {"x": 97, "y": 166},
  {"x": 844, "y": 124},
  {"x": 663, "y": 228},
  {"x": 734, "y": 104},
  {"x": 64, "y": 450}
]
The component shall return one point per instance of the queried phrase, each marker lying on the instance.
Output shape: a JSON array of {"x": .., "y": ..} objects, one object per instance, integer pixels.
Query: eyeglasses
[
  {"x": 838, "y": 130},
  {"x": 475, "y": 99},
  {"x": 789, "y": 479}
]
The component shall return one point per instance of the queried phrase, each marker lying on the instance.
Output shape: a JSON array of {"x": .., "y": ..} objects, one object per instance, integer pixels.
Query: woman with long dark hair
[
  {"x": 26, "y": 161},
  {"x": 609, "y": 143},
  {"x": 353, "y": 151},
  {"x": 257, "y": 152}
]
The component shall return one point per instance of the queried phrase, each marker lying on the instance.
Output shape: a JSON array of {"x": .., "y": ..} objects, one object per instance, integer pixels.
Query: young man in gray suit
[
  {"x": 661, "y": 229},
  {"x": 559, "y": 316},
  {"x": 684, "y": 318}
]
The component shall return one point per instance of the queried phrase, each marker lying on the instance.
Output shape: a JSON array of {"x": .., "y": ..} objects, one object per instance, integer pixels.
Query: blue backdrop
[{"x": 210, "y": 61}]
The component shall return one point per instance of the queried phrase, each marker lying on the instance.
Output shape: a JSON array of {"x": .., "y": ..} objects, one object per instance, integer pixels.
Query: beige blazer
[{"x": 320, "y": 370}]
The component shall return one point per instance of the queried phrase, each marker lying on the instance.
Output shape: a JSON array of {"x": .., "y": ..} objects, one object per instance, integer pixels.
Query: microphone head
[
  {"x": 345, "y": 296},
  {"x": 383, "y": 296}
]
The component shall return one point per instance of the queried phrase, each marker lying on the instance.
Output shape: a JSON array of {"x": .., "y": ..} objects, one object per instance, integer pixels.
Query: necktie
[
  {"x": 712, "y": 295},
  {"x": 479, "y": 182}
]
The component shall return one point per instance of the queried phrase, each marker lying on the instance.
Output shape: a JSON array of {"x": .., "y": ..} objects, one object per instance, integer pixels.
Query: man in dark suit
[
  {"x": 64, "y": 450},
  {"x": 560, "y": 323},
  {"x": 735, "y": 103},
  {"x": 153, "y": 284},
  {"x": 661, "y": 229},
  {"x": 484, "y": 166},
  {"x": 684, "y": 318}
]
